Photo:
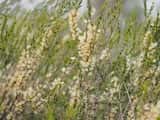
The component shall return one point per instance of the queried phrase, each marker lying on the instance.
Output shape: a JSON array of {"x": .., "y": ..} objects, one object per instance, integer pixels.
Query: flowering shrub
[{"x": 59, "y": 64}]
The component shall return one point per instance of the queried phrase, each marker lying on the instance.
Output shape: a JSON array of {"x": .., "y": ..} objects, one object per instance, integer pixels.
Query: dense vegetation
[{"x": 59, "y": 64}]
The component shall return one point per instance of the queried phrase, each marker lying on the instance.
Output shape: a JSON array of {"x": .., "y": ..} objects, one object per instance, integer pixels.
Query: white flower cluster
[
  {"x": 16, "y": 89},
  {"x": 33, "y": 98},
  {"x": 86, "y": 45},
  {"x": 73, "y": 14},
  {"x": 86, "y": 39},
  {"x": 150, "y": 112},
  {"x": 105, "y": 54},
  {"x": 74, "y": 94},
  {"x": 25, "y": 67},
  {"x": 92, "y": 107}
]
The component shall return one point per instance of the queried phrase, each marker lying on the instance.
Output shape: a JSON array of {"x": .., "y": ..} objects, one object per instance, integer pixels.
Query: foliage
[{"x": 56, "y": 64}]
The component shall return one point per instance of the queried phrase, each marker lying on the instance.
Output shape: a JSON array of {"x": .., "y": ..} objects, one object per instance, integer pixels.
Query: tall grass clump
[{"x": 59, "y": 63}]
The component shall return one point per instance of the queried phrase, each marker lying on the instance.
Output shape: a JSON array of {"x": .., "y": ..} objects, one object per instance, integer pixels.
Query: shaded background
[{"x": 129, "y": 4}]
